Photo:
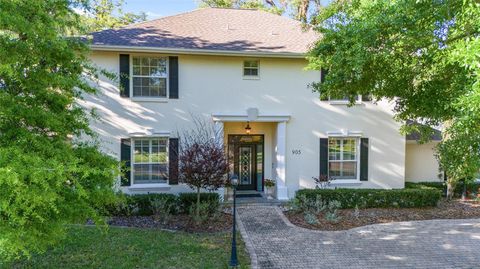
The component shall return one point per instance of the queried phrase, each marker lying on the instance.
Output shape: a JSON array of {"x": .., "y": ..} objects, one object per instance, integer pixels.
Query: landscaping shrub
[
  {"x": 186, "y": 200},
  {"x": 375, "y": 198},
  {"x": 471, "y": 187},
  {"x": 162, "y": 209},
  {"x": 141, "y": 204}
]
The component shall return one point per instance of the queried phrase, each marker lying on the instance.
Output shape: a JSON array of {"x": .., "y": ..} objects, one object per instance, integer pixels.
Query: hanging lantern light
[{"x": 248, "y": 128}]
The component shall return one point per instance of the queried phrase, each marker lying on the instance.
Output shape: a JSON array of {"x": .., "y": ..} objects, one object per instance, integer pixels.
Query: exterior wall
[
  {"x": 211, "y": 84},
  {"x": 421, "y": 164}
]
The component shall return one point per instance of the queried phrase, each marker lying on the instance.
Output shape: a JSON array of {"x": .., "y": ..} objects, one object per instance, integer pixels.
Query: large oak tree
[
  {"x": 48, "y": 176},
  {"x": 421, "y": 54}
]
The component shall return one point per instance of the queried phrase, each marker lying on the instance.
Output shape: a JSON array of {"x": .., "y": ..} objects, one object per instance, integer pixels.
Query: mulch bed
[
  {"x": 445, "y": 210},
  {"x": 176, "y": 222}
]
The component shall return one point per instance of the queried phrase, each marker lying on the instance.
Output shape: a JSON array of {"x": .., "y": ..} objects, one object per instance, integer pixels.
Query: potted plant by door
[{"x": 269, "y": 185}]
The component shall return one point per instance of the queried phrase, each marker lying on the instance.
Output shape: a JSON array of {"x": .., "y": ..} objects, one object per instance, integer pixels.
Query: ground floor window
[
  {"x": 150, "y": 160},
  {"x": 343, "y": 158}
]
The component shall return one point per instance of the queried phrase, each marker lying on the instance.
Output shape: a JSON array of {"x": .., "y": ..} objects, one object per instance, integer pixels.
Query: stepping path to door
[{"x": 273, "y": 242}]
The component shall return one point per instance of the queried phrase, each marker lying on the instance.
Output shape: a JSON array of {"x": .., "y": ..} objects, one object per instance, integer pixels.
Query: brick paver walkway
[{"x": 274, "y": 242}]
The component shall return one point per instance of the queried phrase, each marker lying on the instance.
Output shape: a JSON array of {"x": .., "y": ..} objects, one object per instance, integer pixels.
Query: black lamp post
[{"x": 233, "y": 257}]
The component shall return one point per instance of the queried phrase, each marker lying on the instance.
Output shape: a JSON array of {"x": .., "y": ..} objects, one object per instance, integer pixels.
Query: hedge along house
[{"x": 244, "y": 72}]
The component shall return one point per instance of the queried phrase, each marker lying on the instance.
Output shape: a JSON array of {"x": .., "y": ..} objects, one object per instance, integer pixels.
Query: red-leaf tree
[{"x": 202, "y": 158}]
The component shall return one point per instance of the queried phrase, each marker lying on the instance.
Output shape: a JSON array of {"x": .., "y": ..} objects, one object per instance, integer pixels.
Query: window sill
[
  {"x": 345, "y": 103},
  {"x": 251, "y": 77},
  {"x": 346, "y": 182},
  {"x": 159, "y": 186},
  {"x": 147, "y": 99}
]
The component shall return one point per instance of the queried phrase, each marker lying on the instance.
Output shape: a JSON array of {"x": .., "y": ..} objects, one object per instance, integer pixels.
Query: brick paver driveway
[{"x": 273, "y": 242}]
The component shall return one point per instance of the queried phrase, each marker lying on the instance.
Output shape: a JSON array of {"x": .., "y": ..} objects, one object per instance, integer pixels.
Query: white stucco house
[{"x": 238, "y": 68}]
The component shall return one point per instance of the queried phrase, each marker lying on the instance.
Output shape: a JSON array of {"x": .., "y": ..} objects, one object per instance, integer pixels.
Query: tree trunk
[
  {"x": 450, "y": 188},
  {"x": 197, "y": 209}
]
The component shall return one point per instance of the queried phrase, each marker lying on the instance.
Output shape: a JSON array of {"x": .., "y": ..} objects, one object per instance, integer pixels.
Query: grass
[{"x": 89, "y": 247}]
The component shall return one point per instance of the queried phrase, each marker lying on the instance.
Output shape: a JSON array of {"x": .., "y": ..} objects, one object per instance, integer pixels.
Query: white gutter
[{"x": 198, "y": 51}]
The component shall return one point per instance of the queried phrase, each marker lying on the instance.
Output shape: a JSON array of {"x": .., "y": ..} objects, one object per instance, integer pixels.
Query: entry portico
[{"x": 267, "y": 129}]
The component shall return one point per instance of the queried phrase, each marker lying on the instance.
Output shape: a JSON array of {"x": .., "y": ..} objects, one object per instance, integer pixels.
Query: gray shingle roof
[
  {"x": 239, "y": 30},
  {"x": 436, "y": 133}
]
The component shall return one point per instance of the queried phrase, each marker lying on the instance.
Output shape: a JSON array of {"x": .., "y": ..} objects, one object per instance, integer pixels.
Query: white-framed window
[
  {"x": 251, "y": 68},
  {"x": 343, "y": 157},
  {"x": 150, "y": 160},
  {"x": 149, "y": 76}
]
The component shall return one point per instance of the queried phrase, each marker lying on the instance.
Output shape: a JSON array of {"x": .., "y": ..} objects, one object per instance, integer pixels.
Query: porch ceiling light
[{"x": 248, "y": 128}]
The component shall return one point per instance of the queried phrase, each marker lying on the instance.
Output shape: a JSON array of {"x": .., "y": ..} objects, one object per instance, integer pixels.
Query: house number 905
[{"x": 296, "y": 152}]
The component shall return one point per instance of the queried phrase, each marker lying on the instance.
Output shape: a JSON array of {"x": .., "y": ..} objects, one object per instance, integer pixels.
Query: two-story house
[{"x": 243, "y": 71}]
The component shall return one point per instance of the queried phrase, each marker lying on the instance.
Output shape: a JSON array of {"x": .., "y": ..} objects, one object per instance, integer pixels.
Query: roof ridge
[{"x": 236, "y": 8}]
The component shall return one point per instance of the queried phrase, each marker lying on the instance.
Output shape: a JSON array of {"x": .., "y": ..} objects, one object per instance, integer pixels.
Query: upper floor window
[
  {"x": 343, "y": 158},
  {"x": 150, "y": 160},
  {"x": 149, "y": 76},
  {"x": 251, "y": 68}
]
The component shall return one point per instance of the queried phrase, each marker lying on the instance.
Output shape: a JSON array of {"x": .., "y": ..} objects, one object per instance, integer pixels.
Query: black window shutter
[
  {"x": 125, "y": 156},
  {"x": 173, "y": 77},
  {"x": 323, "y": 75},
  {"x": 364, "y": 159},
  {"x": 124, "y": 75},
  {"x": 173, "y": 161},
  {"x": 323, "y": 157}
]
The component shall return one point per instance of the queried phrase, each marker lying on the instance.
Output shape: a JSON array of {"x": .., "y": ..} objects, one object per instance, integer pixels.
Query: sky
[{"x": 160, "y": 8}]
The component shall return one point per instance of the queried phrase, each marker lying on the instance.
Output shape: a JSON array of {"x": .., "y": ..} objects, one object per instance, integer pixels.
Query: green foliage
[
  {"x": 162, "y": 209},
  {"x": 162, "y": 204},
  {"x": 422, "y": 55},
  {"x": 109, "y": 14},
  {"x": 472, "y": 188},
  {"x": 373, "y": 198},
  {"x": 144, "y": 204},
  {"x": 188, "y": 199},
  {"x": 269, "y": 5},
  {"x": 200, "y": 213},
  {"x": 332, "y": 211},
  {"x": 312, "y": 205},
  {"x": 310, "y": 218},
  {"x": 49, "y": 178}
]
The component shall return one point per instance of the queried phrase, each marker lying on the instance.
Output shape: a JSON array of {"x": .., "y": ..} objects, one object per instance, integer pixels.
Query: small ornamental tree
[{"x": 203, "y": 163}]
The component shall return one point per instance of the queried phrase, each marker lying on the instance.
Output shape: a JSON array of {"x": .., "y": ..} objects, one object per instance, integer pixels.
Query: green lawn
[{"x": 88, "y": 247}]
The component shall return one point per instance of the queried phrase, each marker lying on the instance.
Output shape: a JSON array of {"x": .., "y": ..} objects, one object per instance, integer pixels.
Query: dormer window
[{"x": 251, "y": 68}]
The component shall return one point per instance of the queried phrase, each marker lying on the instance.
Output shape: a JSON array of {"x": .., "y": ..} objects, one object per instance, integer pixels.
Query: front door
[
  {"x": 245, "y": 157},
  {"x": 245, "y": 166}
]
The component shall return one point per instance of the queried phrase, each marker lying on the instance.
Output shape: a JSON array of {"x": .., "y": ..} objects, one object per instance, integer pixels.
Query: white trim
[
  {"x": 334, "y": 102},
  {"x": 150, "y": 186},
  {"x": 150, "y": 99},
  {"x": 280, "y": 155},
  {"x": 344, "y": 133},
  {"x": 244, "y": 117},
  {"x": 345, "y": 182},
  {"x": 199, "y": 51},
  {"x": 344, "y": 103},
  {"x": 149, "y": 134}
]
